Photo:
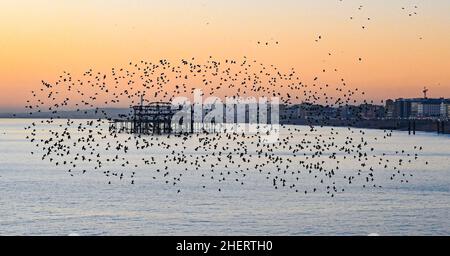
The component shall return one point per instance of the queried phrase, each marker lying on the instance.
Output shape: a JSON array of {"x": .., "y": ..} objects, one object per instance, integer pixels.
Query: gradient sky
[{"x": 39, "y": 39}]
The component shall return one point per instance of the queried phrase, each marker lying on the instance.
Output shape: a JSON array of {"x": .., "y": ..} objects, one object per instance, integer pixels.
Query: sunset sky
[{"x": 400, "y": 53}]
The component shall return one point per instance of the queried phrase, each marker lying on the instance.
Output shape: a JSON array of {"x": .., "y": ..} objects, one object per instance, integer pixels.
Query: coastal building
[
  {"x": 402, "y": 108},
  {"x": 429, "y": 108},
  {"x": 370, "y": 111},
  {"x": 415, "y": 105},
  {"x": 445, "y": 110},
  {"x": 417, "y": 108},
  {"x": 390, "y": 109}
]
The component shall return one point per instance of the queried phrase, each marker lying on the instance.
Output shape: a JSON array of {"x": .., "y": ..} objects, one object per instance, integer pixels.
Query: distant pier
[
  {"x": 152, "y": 119},
  {"x": 157, "y": 118}
]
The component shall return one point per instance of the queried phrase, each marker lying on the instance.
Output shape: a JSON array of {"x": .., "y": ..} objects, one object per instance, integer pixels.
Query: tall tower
[{"x": 425, "y": 90}]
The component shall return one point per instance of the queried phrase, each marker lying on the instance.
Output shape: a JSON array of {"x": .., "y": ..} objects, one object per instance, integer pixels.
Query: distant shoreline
[{"x": 429, "y": 126}]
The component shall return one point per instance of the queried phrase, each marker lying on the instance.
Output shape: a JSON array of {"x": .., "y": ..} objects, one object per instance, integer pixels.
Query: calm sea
[{"x": 39, "y": 198}]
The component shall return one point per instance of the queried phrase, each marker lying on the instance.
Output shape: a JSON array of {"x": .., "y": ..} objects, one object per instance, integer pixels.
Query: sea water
[{"x": 39, "y": 198}]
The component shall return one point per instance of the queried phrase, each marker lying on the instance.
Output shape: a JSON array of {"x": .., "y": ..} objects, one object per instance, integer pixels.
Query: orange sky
[{"x": 40, "y": 39}]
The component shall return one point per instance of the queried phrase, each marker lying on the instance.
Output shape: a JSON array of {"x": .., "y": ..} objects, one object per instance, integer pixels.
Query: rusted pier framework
[{"x": 156, "y": 118}]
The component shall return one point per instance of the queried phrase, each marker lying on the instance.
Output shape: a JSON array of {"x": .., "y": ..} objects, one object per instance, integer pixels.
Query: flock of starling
[
  {"x": 314, "y": 152},
  {"x": 85, "y": 145}
]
